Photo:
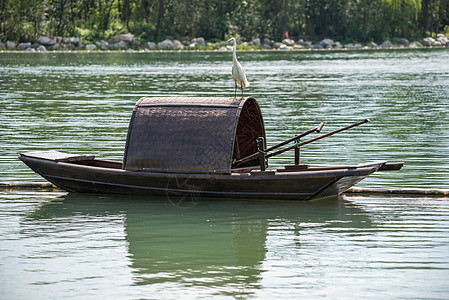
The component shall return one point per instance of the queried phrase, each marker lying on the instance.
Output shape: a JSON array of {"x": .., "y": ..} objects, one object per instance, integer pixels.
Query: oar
[
  {"x": 252, "y": 156},
  {"x": 317, "y": 138},
  {"x": 316, "y": 129}
]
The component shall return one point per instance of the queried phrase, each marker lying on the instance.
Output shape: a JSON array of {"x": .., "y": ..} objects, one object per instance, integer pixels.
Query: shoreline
[
  {"x": 224, "y": 51},
  {"x": 127, "y": 43}
]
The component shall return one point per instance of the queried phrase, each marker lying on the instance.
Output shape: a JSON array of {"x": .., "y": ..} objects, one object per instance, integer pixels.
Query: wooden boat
[{"x": 200, "y": 147}]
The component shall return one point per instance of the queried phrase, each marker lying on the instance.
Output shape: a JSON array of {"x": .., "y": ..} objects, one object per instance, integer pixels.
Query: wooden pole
[
  {"x": 254, "y": 155},
  {"x": 399, "y": 191},
  {"x": 297, "y": 155},
  {"x": 318, "y": 138},
  {"x": 260, "y": 144},
  {"x": 297, "y": 137}
]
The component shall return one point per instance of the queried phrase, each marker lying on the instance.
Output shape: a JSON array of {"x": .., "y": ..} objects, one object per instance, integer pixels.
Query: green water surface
[
  {"x": 57, "y": 245},
  {"x": 82, "y": 103}
]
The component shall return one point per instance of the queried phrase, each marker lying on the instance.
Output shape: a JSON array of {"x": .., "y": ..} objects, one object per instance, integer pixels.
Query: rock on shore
[{"x": 127, "y": 42}]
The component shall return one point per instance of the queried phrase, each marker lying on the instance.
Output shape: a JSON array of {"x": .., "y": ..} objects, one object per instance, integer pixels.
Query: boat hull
[{"x": 101, "y": 177}]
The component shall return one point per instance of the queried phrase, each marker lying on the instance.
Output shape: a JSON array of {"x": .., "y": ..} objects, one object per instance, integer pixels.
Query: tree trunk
[{"x": 160, "y": 15}]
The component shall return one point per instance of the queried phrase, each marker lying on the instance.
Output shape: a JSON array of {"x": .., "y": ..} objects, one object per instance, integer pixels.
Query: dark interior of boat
[{"x": 100, "y": 163}]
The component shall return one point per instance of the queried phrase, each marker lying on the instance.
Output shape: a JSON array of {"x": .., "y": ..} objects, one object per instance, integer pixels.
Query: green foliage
[
  {"x": 142, "y": 30},
  {"x": 242, "y": 47},
  {"x": 21, "y": 20},
  {"x": 345, "y": 20}
]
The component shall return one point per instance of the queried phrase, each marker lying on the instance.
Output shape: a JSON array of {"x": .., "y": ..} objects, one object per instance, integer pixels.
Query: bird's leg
[
  {"x": 235, "y": 90},
  {"x": 242, "y": 92}
]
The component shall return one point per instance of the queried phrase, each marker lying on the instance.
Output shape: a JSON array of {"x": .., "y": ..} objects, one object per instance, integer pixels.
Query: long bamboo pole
[
  {"x": 318, "y": 138},
  {"x": 254, "y": 155},
  {"x": 317, "y": 129}
]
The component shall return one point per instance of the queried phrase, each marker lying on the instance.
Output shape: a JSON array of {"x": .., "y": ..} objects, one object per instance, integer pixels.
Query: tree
[{"x": 346, "y": 20}]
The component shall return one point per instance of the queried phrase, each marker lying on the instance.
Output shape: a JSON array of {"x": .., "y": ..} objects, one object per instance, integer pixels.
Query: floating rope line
[{"x": 10, "y": 168}]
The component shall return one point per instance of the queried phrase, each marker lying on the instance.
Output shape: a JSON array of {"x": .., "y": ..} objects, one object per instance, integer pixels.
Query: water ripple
[{"x": 82, "y": 103}]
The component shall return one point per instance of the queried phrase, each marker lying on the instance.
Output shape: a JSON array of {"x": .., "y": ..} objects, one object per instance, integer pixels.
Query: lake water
[{"x": 56, "y": 245}]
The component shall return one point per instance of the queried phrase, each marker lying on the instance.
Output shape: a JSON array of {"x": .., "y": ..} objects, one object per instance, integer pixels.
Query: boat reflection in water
[{"x": 220, "y": 244}]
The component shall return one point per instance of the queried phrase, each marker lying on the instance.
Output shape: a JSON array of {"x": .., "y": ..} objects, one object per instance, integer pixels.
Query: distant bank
[{"x": 127, "y": 42}]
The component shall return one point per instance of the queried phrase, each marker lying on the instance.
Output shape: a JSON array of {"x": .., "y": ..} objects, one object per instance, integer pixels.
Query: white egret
[{"x": 237, "y": 70}]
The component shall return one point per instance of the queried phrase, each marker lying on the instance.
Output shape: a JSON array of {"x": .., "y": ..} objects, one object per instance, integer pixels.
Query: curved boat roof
[{"x": 192, "y": 134}]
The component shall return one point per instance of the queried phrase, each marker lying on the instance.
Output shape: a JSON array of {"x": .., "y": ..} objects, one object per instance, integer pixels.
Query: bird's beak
[{"x": 228, "y": 41}]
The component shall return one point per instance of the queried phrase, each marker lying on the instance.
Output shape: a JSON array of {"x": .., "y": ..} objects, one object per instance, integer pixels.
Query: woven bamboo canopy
[{"x": 192, "y": 134}]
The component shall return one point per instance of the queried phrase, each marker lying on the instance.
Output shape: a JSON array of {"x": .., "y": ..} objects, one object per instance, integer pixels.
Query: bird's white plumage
[{"x": 237, "y": 70}]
